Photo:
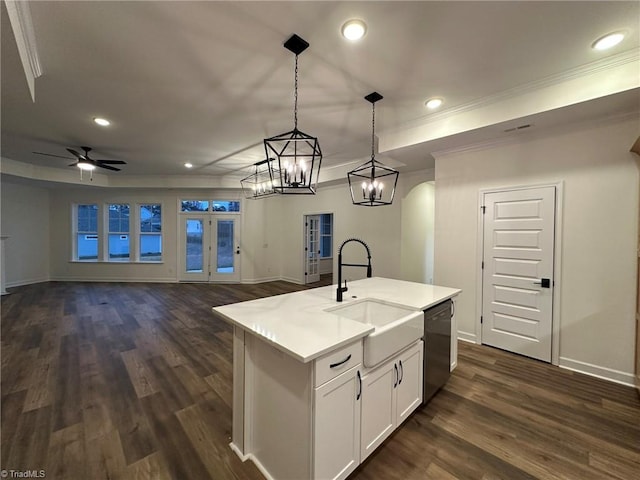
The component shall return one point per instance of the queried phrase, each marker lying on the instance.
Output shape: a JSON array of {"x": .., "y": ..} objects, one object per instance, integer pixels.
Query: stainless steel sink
[{"x": 396, "y": 326}]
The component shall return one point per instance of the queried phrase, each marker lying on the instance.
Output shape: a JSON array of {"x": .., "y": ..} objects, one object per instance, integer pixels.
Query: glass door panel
[
  {"x": 194, "y": 248},
  {"x": 227, "y": 249}
]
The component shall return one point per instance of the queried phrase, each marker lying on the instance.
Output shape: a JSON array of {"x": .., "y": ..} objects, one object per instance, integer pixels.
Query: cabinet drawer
[{"x": 339, "y": 361}]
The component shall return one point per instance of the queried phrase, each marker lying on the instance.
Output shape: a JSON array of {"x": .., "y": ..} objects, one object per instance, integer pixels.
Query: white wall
[
  {"x": 25, "y": 219},
  {"x": 271, "y": 232},
  {"x": 600, "y": 212},
  {"x": 379, "y": 227},
  {"x": 417, "y": 249},
  {"x": 259, "y": 259}
]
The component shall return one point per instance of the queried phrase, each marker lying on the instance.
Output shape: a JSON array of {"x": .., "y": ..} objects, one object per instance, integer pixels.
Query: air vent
[{"x": 519, "y": 127}]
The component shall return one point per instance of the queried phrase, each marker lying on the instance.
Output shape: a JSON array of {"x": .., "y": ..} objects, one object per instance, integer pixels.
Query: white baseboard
[
  {"x": 467, "y": 337},
  {"x": 28, "y": 281},
  {"x": 127, "y": 279},
  {"x": 238, "y": 452},
  {"x": 252, "y": 281},
  {"x": 297, "y": 281},
  {"x": 604, "y": 373}
]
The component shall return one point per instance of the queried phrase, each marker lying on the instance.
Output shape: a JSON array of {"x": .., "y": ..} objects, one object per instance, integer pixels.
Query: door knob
[{"x": 544, "y": 283}]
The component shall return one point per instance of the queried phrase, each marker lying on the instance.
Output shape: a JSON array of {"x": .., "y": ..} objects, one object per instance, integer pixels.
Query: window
[
  {"x": 195, "y": 206},
  {"x": 87, "y": 232},
  {"x": 151, "y": 233},
  {"x": 217, "y": 206},
  {"x": 326, "y": 235},
  {"x": 119, "y": 232},
  {"x": 225, "y": 206}
]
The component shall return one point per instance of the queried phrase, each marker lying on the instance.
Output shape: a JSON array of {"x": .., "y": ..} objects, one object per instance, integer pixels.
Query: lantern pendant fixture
[
  {"x": 366, "y": 181},
  {"x": 297, "y": 155},
  {"x": 261, "y": 182}
]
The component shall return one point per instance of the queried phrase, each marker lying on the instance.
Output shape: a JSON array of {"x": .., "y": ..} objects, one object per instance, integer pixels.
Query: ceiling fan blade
[
  {"x": 51, "y": 155},
  {"x": 113, "y": 162},
  {"x": 72, "y": 164},
  {"x": 99, "y": 164},
  {"x": 73, "y": 152}
]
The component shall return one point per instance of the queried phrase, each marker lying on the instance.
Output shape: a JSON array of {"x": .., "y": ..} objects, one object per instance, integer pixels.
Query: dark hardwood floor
[{"x": 133, "y": 381}]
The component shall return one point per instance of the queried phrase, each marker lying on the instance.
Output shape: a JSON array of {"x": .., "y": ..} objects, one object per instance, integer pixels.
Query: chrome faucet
[{"x": 341, "y": 289}]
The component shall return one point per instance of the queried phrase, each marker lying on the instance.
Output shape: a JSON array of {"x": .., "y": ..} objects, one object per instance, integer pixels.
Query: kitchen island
[{"x": 305, "y": 404}]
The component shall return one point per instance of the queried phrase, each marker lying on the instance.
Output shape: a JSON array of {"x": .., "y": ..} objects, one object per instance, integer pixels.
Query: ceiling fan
[{"x": 84, "y": 162}]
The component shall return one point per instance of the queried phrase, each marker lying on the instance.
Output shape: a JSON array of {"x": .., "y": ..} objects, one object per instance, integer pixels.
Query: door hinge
[
  {"x": 481, "y": 319},
  {"x": 482, "y": 265},
  {"x": 484, "y": 209},
  {"x": 209, "y": 222}
]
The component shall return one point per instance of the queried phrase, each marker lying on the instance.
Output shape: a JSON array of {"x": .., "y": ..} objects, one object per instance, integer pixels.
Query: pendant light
[
  {"x": 261, "y": 182},
  {"x": 373, "y": 184},
  {"x": 297, "y": 155}
]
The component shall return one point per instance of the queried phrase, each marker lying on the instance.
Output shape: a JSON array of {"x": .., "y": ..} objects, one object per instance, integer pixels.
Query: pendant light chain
[
  {"x": 373, "y": 128},
  {"x": 295, "y": 98}
]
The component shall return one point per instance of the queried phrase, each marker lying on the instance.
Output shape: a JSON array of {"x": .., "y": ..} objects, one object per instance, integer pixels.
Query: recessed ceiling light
[
  {"x": 103, "y": 122},
  {"x": 188, "y": 165},
  {"x": 433, "y": 103},
  {"x": 354, "y": 30},
  {"x": 608, "y": 41}
]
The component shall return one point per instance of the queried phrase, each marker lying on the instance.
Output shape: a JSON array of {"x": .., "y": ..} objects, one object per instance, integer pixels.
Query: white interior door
[
  {"x": 312, "y": 248},
  {"x": 209, "y": 248},
  {"x": 517, "y": 291}
]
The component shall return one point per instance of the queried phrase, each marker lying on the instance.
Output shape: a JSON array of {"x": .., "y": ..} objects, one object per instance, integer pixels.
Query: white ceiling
[{"x": 205, "y": 82}]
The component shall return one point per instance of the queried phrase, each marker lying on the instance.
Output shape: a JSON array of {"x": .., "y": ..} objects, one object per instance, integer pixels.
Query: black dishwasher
[{"x": 437, "y": 348}]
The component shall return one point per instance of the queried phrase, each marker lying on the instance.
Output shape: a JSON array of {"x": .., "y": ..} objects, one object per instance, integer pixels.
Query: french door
[
  {"x": 209, "y": 248},
  {"x": 311, "y": 248}
]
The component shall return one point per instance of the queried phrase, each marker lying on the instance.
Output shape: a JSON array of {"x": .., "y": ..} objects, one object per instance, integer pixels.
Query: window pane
[
  {"x": 86, "y": 233},
  {"x": 119, "y": 218},
  {"x": 118, "y": 232},
  {"x": 326, "y": 232},
  {"x": 88, "y": 218},
  {"x": 87, "y": 246},
  {"x": 151, "y": 248},
  {"x": 194, "y": 253},
  {"x": 225, "y": 206},
  {"x": 150, "y": 218},
  {"x": 325, "y": 248},
  {"x": 224, "y": 262},
  {"x": 195, "y": 205},
  {"x": 119, "y": 247}
]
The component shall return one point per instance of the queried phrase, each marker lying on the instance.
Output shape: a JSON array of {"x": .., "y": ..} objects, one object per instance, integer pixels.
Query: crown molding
[
  {"x": 22, "y": 25},
  {"x": 613, "y": 61},
  {"x": 519, "y": 138}
]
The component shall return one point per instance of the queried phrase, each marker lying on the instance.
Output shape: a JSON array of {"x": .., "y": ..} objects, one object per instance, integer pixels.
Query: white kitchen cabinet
[
  {"x": 390, "y": 393},
  {"x": 336, "y": 439}
]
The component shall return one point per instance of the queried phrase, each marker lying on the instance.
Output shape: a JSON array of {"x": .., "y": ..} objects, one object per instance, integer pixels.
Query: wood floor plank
[
  {"x": 133, "y": 381},
  {"x": 152, "y": 467},
  {"x": 40, "y": 389},
  {"x": 141, "y": 377},
  {"x": 66, "y": 456},
  {"x": 105, "y": 458},
  {"x": 66, "y": 409},
  {"x": 183, "y": 461}
]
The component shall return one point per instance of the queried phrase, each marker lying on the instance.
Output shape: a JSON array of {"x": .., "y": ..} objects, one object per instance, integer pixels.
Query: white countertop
[{"x": 297, "y": 323}]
